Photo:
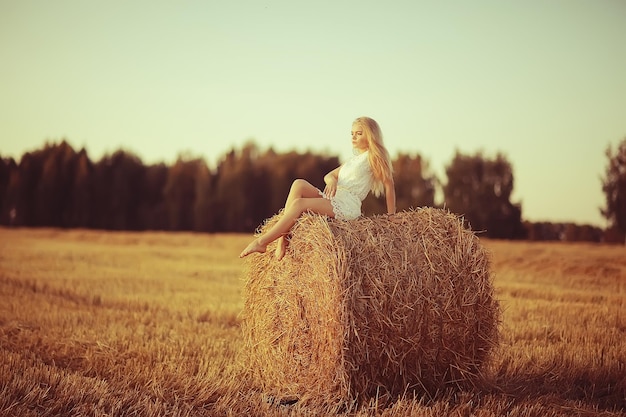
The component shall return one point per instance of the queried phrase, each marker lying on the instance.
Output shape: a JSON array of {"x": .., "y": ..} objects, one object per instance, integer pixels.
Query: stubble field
[{"x": 147, "y": 324}]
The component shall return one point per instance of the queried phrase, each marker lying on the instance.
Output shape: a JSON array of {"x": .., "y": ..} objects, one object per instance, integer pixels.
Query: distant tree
[
  {"x": 7, "y": 168},
  {"x": 229, "y": 199},
  {"x": 543, "y": 231},
  {"x": 204, "y": 204},
  {"x": 54, "y": 187},
  {"x": 414, "y": 185},
  {"x": 480, "y": 190},
  {"x": 240, "y": 191},
  {"x": 22, "y": 189},
  {"x": 254, "y": 184},
  {"x": 569, "y": 232},
  {"x": 613, "y": 235},
  {"x": 614, "y": 188},
  {"x": 117, "y": 191},
  {"x": 414, "y": 182},
  {"x": 152, "y": 211},
  {"x": 581, "y": 233},
  {"x": 281, "y": 170},
  {"x": 102, "y": 180},
  {"x": 180, "y": 193},
  {"x": 78, "y": 209},
  {"x": 11, "y": 201}
]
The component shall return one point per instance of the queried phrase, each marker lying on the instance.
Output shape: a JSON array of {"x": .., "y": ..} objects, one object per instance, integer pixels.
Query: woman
[{"x": 346, "y": 187}]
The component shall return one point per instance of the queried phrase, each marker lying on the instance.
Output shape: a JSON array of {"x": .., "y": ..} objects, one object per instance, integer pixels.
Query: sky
[{"x": 542, "y": 82}]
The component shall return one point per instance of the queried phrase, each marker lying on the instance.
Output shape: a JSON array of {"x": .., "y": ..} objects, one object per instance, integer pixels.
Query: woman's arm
[
  {"x": 331, "y": 182},
  {"x": 390, "y": 196}
]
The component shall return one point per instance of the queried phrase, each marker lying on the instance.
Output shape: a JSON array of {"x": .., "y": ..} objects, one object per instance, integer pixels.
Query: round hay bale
[{"x": 370, "y": 307}]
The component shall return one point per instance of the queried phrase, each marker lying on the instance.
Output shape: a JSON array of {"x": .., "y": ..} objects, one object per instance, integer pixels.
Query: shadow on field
[{"x": 602, "y": 389}]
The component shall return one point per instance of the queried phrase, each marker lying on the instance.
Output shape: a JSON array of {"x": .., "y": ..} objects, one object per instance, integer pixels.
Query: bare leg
[
  {"x": 299, "y": 189},
  {"x": 281, "y": 246},
  {"x": 254, "y": 246},
  {"x": 282, "y": 226}
]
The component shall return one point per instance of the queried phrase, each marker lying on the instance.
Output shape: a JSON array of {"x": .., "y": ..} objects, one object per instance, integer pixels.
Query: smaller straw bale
[{"x": 370, "y": 307}]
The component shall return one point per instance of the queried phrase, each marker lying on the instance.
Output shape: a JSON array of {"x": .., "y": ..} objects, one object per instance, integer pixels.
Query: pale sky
[{"x": 543, "y": 82}]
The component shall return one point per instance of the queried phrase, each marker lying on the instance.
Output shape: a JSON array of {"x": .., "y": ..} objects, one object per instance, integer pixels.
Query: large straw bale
[{"x": 370, "y": 307}]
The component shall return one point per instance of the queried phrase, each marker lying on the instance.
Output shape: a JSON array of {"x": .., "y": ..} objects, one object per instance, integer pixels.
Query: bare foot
[
  {"x": 254, "y": 246},
  {"x": 281, "y": 247}
]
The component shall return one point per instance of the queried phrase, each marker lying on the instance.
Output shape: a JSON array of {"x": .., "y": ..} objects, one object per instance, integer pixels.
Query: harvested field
[{"x": 100, "y": 323}]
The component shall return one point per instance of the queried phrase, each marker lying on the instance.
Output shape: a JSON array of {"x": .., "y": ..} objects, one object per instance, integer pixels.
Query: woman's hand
[
  {"x": 331, "y": 189},
  {"x": 331, "y": 182}
]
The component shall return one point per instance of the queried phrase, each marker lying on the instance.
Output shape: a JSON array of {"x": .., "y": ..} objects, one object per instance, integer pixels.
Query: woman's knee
[
  {"x": 299, "y": 185},
  {"x": 298, "y": 206}
]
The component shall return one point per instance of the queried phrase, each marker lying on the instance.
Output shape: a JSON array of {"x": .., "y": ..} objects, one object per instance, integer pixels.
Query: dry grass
[
  {"x": 370, "y": 308},
  {"x": 148, "y": 324}
]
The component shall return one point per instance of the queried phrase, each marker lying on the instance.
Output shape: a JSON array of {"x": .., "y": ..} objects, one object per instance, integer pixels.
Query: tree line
[{"x": 59, "y": 187}]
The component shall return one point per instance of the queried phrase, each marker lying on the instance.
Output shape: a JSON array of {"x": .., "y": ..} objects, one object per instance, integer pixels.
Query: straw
[{"x": 369, "y": 308}]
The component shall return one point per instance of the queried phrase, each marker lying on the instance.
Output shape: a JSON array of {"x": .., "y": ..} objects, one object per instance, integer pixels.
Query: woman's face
[{"x": 359, "y": 141}]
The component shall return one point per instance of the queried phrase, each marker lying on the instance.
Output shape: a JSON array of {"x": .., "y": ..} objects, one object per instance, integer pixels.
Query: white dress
[{"x": 354, "y": 183}]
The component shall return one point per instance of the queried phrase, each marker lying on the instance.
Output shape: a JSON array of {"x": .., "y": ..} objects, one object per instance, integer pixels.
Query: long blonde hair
[{"x": 378, "y": 156}]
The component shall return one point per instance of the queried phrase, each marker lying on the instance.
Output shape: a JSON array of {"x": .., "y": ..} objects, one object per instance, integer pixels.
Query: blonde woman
[{"x": 346, "y": 187}]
